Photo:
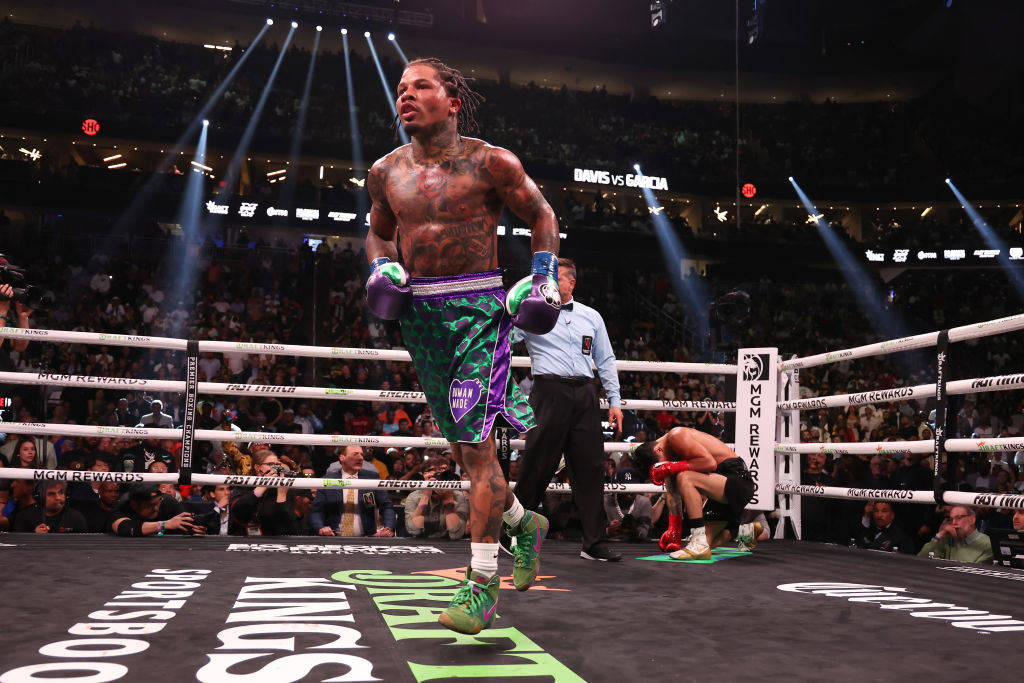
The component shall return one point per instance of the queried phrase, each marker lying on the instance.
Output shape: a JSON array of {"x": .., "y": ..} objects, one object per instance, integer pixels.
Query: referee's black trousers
[{"x": 568, "y": 421}]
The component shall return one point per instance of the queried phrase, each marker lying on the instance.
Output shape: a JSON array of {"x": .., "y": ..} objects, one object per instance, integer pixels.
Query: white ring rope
[
  {"x": 859, "y": 448},
  {"x": 172, "y": 344},
  {"x": 974, "y": 331},
  {"x": 258, "y": 437},
  {"x": 279, "y": 482},
  {"x": 375, "y": 395},
  {"x": 994, "y": 500},
  {"x": 976, "y": 385}
]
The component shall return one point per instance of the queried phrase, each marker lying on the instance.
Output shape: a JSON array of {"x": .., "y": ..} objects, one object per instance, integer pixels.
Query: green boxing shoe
[
  {"x": 474, "y": 605},
  {"x": 532, "y": 530}
]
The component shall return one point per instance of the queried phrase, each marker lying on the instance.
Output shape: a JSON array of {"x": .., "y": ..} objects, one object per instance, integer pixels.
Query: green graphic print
[{"x": 460, "y": 349}]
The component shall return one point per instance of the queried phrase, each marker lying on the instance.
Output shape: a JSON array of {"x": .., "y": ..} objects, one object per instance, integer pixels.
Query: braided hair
[{"x": 456, "y": 85}]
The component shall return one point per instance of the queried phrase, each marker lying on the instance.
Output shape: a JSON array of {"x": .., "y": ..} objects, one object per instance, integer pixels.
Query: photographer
[
  {"x": 265, "y": 510},
  {"x": 436, "y": 513},
  {"x": 7, "y": 319},
  {"x": 146, "y": 512}
]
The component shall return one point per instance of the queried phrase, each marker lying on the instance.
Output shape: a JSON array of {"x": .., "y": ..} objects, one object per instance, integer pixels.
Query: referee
[{"x": 565, "y": 401}]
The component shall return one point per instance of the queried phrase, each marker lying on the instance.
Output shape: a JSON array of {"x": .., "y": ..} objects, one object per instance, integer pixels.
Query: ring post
[
  {"x": 756, "y": 398},
  {"x": 939, "y": 428},
  {"x": 189, "y": 428},
  {"x": 788, "y": 465}
]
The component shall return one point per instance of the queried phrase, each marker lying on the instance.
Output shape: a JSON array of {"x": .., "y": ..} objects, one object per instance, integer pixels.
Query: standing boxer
[{"x": 444, "y": 194}]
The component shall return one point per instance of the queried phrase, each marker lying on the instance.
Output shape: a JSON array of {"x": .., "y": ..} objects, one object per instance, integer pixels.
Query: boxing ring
[{"x": 100, "y": 608}]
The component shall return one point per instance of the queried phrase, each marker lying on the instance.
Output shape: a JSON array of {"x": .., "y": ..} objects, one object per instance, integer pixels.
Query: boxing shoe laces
[
  {"x": 474, "y": 606},
  {"x": 526, "y": 549},
  {"x": 746, "y": 538}
]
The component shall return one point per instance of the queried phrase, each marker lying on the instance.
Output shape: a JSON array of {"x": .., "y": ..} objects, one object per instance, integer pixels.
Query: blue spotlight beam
[
  {"x": 231, "y": 177},
  {"x": 1013, "y": 273},
  {"x": 156, "y": 181},
  {"x": 690, "y": 290},
  {"x": 869, "y": 300},
  {"x": 353, "y": 124},
  {"x": 388, "y": 92},
  {"x": 184, "y": 273},
  {"x": 401, "y": 53},
  {"x": 300, "y": 125}
]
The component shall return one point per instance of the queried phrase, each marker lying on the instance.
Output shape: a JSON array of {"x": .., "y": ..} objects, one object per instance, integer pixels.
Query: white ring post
[
  {"x": 756, "y": 398},
  {"x": 789, "y": 463}
]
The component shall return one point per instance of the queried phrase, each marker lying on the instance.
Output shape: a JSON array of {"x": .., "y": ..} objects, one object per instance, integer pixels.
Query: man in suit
[{"x": 353, "y": 512}]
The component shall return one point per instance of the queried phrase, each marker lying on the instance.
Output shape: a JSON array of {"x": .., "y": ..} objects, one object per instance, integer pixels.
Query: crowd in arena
[
  {"x": 143, "y": 86},
  {"x": 264, "y": 300}
]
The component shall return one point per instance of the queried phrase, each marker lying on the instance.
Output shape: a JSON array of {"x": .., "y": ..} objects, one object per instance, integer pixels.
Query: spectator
[
  {"x": 146, "y": 512},
  {"x": 156, "y": 417},
  {"x": 97, "y": 511},
  {"x": 879, "y": 532},
  {"x": 54, "y": 517},
  {"x": 958, "y": 539},
  {"x": 816, "y": 513},
  {"x": 437, "y": 513},
  {"x": 266, "y": 510},
  {"x": 629, "y": 514},
  {"x": 349, "y": 511}
]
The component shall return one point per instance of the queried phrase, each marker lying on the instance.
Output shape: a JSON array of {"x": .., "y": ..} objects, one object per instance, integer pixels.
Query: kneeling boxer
[{"x": 692, "y": 465}]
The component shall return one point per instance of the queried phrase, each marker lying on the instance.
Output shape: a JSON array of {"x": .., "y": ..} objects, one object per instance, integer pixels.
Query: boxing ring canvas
[{"x": 89, "y": 608}]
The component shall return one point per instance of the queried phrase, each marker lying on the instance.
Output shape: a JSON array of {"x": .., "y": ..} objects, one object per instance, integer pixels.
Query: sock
[
  {"x": 745, "y": 530},
  {"x": 485, "y": 558},
  {"x": 698, "y": 536},
  {"x": 514, "y": 515},
  {"x": 697, "y": 523}
]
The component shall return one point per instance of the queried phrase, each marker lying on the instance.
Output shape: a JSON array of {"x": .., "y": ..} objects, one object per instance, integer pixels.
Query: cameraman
[
  {"x": 6, "y": 319},
  {"x": 145, "y": 512},
  {"x": 265, "y": 510},
  {"x": 436, "y": 513}
]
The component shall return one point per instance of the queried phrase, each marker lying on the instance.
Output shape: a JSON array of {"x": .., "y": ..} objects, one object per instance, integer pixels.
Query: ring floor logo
[
  {"x": 410, "y": 605},
  {"x": 895, "y": 598}
]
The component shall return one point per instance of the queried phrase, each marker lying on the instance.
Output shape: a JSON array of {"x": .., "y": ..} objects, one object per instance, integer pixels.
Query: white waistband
[{"x": 457, "y": 286}]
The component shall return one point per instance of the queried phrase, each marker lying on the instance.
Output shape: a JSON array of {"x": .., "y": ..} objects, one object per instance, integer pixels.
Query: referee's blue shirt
[{"x": 578, "y": 338}]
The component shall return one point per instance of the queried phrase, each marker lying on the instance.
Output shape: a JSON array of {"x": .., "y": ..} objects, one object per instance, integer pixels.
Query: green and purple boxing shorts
[{"x": 457, "y": 332}]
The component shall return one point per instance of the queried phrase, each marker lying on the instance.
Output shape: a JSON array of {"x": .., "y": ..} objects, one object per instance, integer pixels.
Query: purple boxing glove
[
  {"x": 388, "y": 295},
  {"x": 534, "y": 301}
]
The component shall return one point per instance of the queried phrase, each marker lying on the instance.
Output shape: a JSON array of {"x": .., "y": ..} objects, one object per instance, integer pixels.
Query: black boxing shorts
[{"x": 739, "y": 490}]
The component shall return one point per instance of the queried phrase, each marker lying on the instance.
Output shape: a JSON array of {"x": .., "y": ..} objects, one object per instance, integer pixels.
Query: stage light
[
  {"x": 319, "y": 28},
  {"x": 344, "y": 31},
  {"x": 637, "y": 167},
  {"x": 270, "y": 22},
  {"x": 366, "y": 34},
  {"x": 391, "y": 36},
  {"x": 295, "y": 24},
  {"x": 790, "y": 178},
  {"x": 948, "y": 181},
  {"x": 206, "y": 122}
]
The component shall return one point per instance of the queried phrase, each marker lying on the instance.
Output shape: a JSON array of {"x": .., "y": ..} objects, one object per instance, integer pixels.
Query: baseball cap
[
  {"x": 143, "y": 492},
  {"x": 627, "y": 475}
]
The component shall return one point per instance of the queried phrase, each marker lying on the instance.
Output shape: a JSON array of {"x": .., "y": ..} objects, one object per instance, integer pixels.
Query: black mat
[{"x": 367, "y": 611}]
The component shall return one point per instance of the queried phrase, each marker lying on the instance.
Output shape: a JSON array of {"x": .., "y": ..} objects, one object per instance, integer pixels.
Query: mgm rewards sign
[{"x": 756, "y": 387}]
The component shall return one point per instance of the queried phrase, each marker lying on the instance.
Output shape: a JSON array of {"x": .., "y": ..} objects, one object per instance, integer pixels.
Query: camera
[
  {"x": 282, "y": 471},
  {"x": 32, "y": 296}
]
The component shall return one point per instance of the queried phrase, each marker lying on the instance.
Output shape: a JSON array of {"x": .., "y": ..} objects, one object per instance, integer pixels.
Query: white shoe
[{"x": 692, "y": 551}]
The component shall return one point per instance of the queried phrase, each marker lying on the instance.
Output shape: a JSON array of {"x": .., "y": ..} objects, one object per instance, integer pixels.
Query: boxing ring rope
[
  {"x": 964, "y": 332},
  {"x": 373, "y": 395},
  {"x": 336, "y": 352},
  {"x": 788, "y": 486},
  {"x": 1007, "y": 382}
]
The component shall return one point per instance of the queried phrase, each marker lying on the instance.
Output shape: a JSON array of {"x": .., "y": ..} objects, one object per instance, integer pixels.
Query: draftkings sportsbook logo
[{"x": 755, "y": 367}]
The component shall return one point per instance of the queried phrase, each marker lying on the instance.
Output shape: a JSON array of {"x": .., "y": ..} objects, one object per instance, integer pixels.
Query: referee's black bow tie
[{"x": 567, "y": 307}]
